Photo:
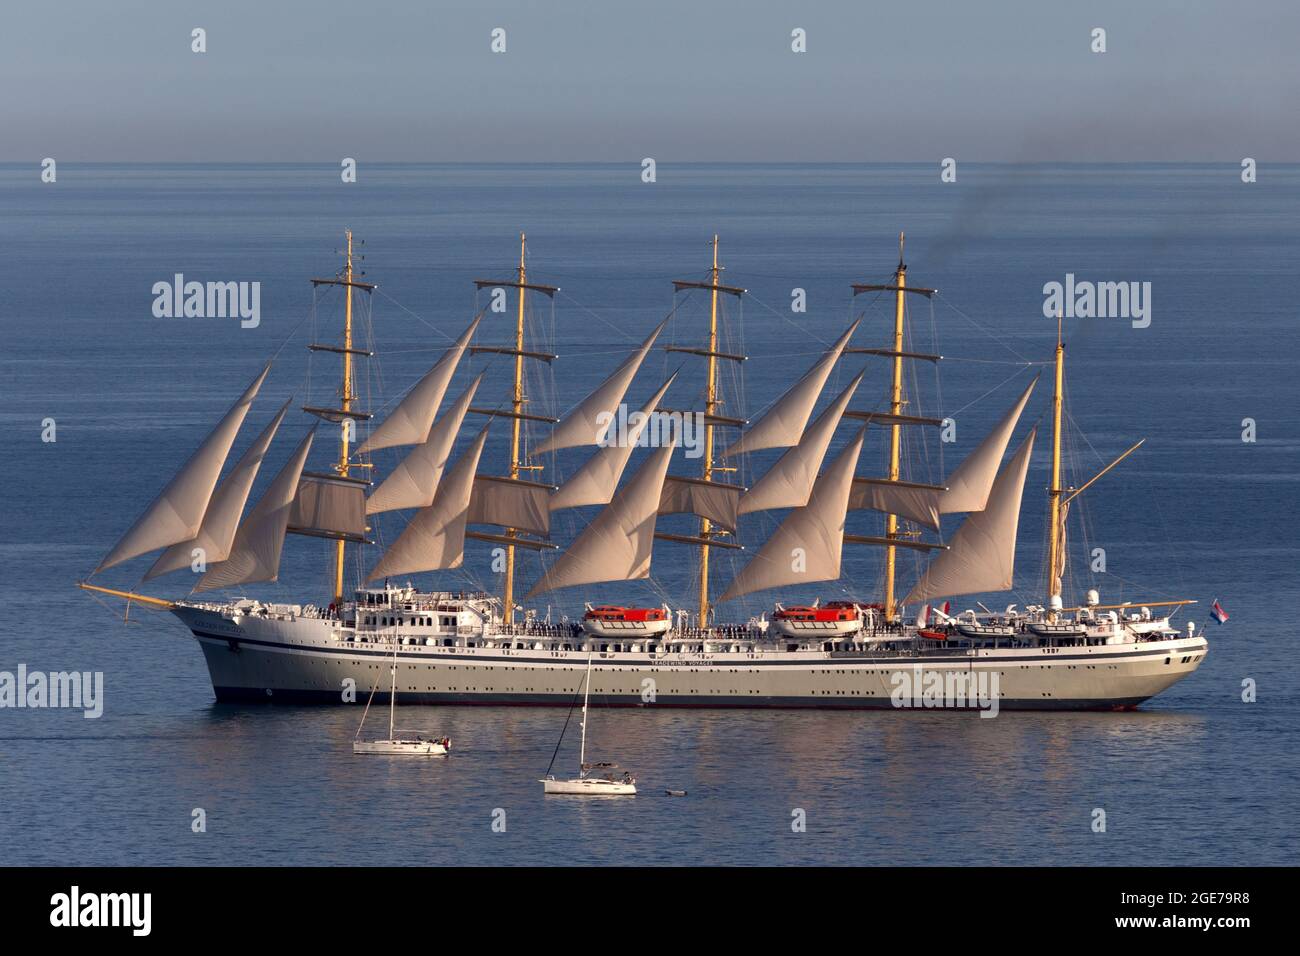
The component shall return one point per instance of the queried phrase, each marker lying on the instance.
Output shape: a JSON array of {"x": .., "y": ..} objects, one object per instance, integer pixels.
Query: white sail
[
  {"x": 581, "y": 426},
  {"x": 982, "y": 554},
  {"x": 906, "y": 499},
  {"x": 221, "y": 520},
  {"x": 783, "y": 423},
  {"x": 410, "y": 421},
  {"x": 617, "y": 545},
  {"x": 596, "y": 481},
  {"x": 511, "y": 503},
  {"x": 715, "y": 500},
  {"x": 789, "y": 482},
  {"x": 807, "y": 545},
  {"x": 435, "y": 537},
  {"x": 969, "y": 484},
  {"x": 414, "y": 481},
  {"x": 255, "y": 554},
  {"x": 177, "y": 513},
  {"x": 329, "y": 506}
]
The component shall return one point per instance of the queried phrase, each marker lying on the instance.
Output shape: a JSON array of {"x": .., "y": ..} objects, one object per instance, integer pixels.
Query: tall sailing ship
[{"x": 481, "y": 648}]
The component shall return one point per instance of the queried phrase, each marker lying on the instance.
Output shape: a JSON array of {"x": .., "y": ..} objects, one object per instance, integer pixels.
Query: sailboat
[
  {"x": 458, "y": 646},
  {"x": 393, "y": 745},
  {"x": 594, "y": 779}
]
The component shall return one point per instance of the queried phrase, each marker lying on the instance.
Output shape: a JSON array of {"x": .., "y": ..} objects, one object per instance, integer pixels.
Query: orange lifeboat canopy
[{"x": 836, "y": 611}]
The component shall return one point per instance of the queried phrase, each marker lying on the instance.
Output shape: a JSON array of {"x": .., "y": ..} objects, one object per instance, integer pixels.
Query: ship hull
[{"x": 306, "y": 662}]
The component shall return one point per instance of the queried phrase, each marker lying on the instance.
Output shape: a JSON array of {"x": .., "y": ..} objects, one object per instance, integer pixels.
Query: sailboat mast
[
  {"x": 392, "y": 694},
  {"x": 895, "y": 437},
  {"x": 710, "y": 409},
  {"x": 586, "y": 692},
  {"x": 345, "y": 423},
  {"x": 1054, "y": 548},
  {"x": 517, "y": 404}
]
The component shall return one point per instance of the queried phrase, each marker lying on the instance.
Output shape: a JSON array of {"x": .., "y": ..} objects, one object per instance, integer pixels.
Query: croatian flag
[{"x": 1218, "y": 613}]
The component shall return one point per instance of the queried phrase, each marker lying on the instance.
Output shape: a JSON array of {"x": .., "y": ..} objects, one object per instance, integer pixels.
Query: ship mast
[
  {"x": 512, "y": 539},
  {"x": 345, "y": 424},
  {"x": 517, "y": 406},
  {"x": 712, "y": 404},
  {"x": 345, "y": 415},
  {"x": 1054, "y": 548},
  {"x": 893, "y": 539},
  {"x": 710, "y": 408},
  {"x": 896, "y": 430}
]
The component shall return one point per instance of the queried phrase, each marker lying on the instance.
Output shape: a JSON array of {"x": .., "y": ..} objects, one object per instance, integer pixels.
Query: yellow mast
[
  {"x": 1054, "y": 549},
  {"x": 895, "y": 438},
  {"x": 345, "y": 423},
  {"x": 710, "y": 409},
  {"x": 517, "y": 403}
]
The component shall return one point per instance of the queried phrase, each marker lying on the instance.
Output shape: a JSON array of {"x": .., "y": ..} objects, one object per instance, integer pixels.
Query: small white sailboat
[
  {"x": 414, "y": 745},
  {"x": 594, "y": 779}
]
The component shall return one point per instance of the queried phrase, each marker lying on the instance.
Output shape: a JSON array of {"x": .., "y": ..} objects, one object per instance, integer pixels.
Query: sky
[{"x": 612, "y": 81}]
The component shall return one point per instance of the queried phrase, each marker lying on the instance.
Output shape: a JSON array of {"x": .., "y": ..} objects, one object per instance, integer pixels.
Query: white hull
[
  {"x": 400, "y": 748},
  {"x": 292, "y": 658},
  {"x": 589, "y": 787}
]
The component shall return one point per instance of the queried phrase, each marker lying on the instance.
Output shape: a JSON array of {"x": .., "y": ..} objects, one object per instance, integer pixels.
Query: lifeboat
[
  {"x": 834, "y": 620},
  {"x": 1050, "y": 629},
  {"x": 975, "y": 629},
  {"x": 609, "y": 620}
]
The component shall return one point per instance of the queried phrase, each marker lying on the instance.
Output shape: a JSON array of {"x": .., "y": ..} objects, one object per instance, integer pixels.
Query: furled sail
[
  {"x": 224, "y": 510},
  {"x": 177, "y": 513},
  {"x": 435, "y": 538},
  {"x": 969, "y": 485},
  {"x": 410, "y": 421},
  {"x": 919, "y": 503},
  {"x": 1062, "y": 555},
  {"x": 981, "y": 555},
  {"x": 414, "y": 481},
  {"x": 782, "y": 424},
  {"x": 715, "y": 500},
  {"x": 807, "y": 545},
  {"x": 329, "y": 507},
  {"x": 617, "y": 545},
  {"x": 582, "y": 425},
  {"x": 596, "y": 481},
  {"x": 255, "y": 554},
  {"x": 511, "y": 503},
  {"x": 789, "y": 482}
]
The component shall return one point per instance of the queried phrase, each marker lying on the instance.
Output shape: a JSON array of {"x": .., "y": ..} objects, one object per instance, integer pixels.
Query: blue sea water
[{"x": 1197, "y": 776}]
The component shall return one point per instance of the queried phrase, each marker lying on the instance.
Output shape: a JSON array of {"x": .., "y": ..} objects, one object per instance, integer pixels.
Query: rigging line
[
  {"x": 1000, "y": 339},
  {"x": 986, "y": 394},
  {"x": 1023, "y": 364},
  {"x": 784, "y": 318},
  {"x": 572, "y": 705},
  {"x": 449, "y": 338},
  {"x": 596, "y": 315},
  {"x": 311, "y": 311},
  {"x": 1075, "y": 426}
]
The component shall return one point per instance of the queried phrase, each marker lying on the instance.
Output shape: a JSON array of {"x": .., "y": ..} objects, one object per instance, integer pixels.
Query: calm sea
[{"x": 1196, "y": 776}]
